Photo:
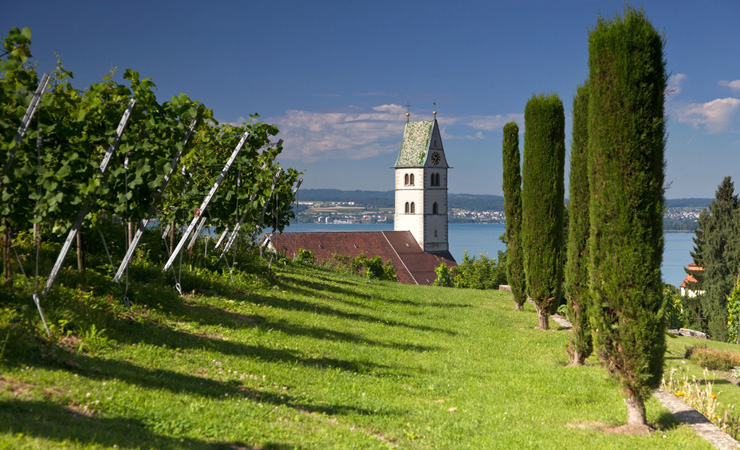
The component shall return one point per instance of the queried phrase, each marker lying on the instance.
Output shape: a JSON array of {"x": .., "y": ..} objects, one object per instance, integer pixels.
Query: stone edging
[{"x": 703, "y": 427}]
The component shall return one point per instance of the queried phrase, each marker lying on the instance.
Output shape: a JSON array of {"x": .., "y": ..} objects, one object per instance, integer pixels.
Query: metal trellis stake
[
  {"x": 86, "y": 207},
  {"x": 197, "y": 231},
  {"x": 27, "y": 119},
  {"x": 238, "y": 226},
  {"x": 206, "y": 201},
  {"x": 153, "y": 207}
]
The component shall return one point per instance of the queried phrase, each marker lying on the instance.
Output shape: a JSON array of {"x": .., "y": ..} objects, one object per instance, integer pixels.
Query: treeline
[
  {"x": 387, "y": 199},
  {"x": 605, "y": 256},
  {"x": 471, "y": 202}
]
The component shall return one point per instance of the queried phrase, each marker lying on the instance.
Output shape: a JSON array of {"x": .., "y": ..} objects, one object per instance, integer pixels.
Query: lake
[{"x": 483, "y": 239}]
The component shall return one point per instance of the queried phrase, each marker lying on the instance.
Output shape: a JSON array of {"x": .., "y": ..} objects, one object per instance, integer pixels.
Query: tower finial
[
  {"x": 434, "y": 102},
  {"x": 408, "y": 114}
]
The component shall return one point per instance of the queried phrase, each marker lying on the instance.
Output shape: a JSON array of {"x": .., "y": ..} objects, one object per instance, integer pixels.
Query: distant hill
[
  {"x": 688, "y": 202},
  {"x": 386, "y": 199}
]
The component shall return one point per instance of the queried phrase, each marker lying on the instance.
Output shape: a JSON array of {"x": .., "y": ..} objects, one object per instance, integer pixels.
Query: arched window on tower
[
  {"x": 406, "y": 180},
  {"x": 411, "y": 180},
  {"x": 436, "y": 176},
  {"x": 412, "y": 207},
  {"x": 435, "y": 208},
  {"x": 407, "y": 208}
]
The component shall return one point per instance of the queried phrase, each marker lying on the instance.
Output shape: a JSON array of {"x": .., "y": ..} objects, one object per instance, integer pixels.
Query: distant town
[{"x": 332, "y": 206}]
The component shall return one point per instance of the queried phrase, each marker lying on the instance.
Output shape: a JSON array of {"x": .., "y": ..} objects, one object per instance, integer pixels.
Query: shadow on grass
[
  {"x": 206, "y": 315},
  {"x": 667, "y": 421},
  {"x": 101, "y": 369},
  {"x": 36, "y": 419},
  {"x": 301, "y": 305},
  {"x": 136, "y": 333}
]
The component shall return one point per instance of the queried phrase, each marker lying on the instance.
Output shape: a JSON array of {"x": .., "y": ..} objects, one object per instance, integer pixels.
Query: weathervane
[
  {"x": 407, "y": 105},
  {"x": 434, "y": 102}
]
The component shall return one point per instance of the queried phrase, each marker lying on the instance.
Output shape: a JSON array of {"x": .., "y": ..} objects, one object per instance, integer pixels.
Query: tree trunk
[
  {"x": 7, "y": 251},
  {"x": 129, "y": 234},
  {"x": 517, "y": 306},
  {"x": 576, "y": 357},
  {"x": 544, "y": 320},
  {"x": 635, "y": 410},
  {"x": 80, "y": 252}
]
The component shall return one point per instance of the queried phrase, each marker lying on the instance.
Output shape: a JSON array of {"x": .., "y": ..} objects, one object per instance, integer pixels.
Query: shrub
[
  {"x": 305, "y": 256},
  {"x": 675, "y": 314},
  {"x": 444, "y": 276},
  {"x": 480, "y": 272},
  {"x": 712, "y": 358}
]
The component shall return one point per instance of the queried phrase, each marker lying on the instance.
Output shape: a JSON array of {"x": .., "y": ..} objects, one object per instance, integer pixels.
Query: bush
[
  {"x": 444, "y": 276},
  {"x": 480, "y": 272},
  {"x": 305, "y": 256},
  {"x": 675, "y": 313},
  {"x": 713, "y": 359}
]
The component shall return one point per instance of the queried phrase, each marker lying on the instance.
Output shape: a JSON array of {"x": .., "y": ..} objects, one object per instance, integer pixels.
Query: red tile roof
[
  {"x": 688, "y": 279},
  {"x": 413, "y": 266}
]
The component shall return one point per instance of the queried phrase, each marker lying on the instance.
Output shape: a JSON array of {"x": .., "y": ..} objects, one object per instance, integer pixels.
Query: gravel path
[{"x": 702, "y": 425}]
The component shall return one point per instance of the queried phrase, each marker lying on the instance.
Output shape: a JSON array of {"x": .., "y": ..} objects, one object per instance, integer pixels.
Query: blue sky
[{"x": 335, "y": 76}]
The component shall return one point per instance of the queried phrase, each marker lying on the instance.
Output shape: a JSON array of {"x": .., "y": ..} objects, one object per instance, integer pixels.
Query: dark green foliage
[
  {"x": 626, "y": 129},
  {"x": 718, "y": 254},
  {"x": 305, "y": 256},
  {"x": 576, "y": 267},
  {"x": 513, "y": 210},
  {"x": 542, "y": 201},
  {"x": 444, "y": 276},
  {"x": 733, "y": 312},
  {"x": 675, "y": 312},
  {"x": 375, "y": 269},
  {"x": 480, "y": 272}
]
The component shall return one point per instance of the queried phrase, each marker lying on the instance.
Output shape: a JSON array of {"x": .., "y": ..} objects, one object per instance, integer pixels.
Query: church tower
[{"x": 421, "y": 186}]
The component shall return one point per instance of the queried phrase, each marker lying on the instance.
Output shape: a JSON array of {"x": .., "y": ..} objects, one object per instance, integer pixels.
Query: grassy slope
[{"x": 321, "y": 360}]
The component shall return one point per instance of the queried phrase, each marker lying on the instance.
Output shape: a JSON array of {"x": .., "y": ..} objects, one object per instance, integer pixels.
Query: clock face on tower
[{"x": 435, "y": 158}]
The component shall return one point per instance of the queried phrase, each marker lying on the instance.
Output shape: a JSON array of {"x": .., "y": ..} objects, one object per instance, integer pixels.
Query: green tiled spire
[{"x": 415, "y": 144}]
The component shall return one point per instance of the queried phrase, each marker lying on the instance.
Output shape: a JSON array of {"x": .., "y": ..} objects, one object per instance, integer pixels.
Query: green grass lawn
[{"x": 315, "y": 359}]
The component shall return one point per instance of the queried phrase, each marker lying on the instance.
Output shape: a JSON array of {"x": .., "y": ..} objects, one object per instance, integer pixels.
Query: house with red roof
[{"x": 689, "y": 283}]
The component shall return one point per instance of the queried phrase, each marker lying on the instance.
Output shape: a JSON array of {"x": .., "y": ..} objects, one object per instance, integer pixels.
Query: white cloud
[
  {"x": 733, "y": 85},
  {"x": 352, "y": 134},
  {"x": 491, "y": 123},
  {"x": 358, "y": 133},
  {"x": 675, "y": 81},
  {"x": 716, "y": 116}
]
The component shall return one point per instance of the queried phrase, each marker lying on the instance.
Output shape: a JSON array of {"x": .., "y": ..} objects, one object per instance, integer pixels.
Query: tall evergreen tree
[
  {"x": 626, "y": 130},
  {"x": 576, "y": 267},
  {"x": 719, "y": 258},
  {"x": 542, "y": 202},
  {"x": 513, "y": 210}
]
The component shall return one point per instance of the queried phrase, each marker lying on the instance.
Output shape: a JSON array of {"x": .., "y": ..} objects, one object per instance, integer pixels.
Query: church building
[{"x": 419, "y": 240}]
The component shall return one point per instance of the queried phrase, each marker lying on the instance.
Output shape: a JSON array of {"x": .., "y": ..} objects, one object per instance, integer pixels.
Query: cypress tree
[
  {"x": 626, "y": 132},
  {"x": 719, "y": 257},
  {"x": 513, "y": 211},
  {"x": 576, "y": 267},
  {"x": 542, "y": 202}
]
